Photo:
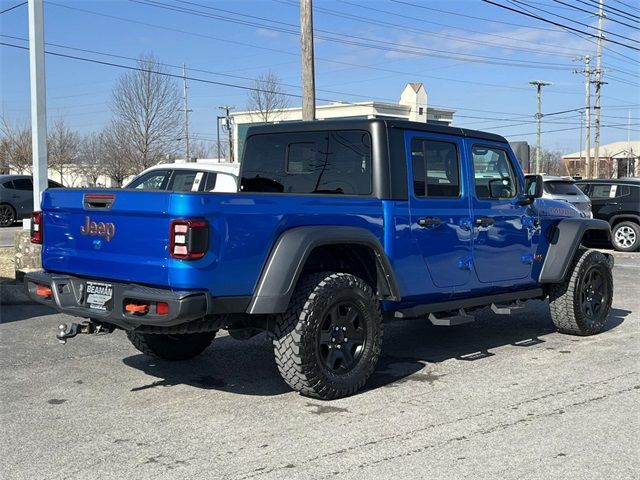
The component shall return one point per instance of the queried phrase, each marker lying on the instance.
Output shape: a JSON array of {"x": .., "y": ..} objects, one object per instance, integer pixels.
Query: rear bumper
[{"x": 68, "y": 296}]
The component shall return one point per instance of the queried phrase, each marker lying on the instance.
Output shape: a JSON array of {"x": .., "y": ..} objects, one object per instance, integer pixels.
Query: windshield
[{"x": 561, "y": 188}]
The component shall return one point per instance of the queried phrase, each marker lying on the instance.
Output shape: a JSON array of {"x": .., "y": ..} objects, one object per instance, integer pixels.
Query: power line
[
  {"x": 12, "y": 8},
  {"x": 371, "y": 21},
  {"x": 537, "y": 17},
  {"x": 520, "y": 2},
  {"x": 212, "y": 82},
  {"x": 627, "y": 5},
  {"x": 362, "y": 41},
  {"x": 524, "y": 26},
  {"x": 329, "y": 60},
  {"x": 592, "y": 13},
  {"x": 609, "y": 9}
]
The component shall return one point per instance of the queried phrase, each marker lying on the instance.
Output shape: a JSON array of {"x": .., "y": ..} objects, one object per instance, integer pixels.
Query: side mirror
[{"x": 532, "y": 188}]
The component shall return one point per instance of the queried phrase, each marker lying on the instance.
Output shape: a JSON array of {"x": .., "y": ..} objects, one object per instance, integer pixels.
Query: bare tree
[
  {"x": 201, "y": 149},
  {"x": 146, "y": 104},
  {"x": 16, "y": 147},
  {"x": 63, "y": 147},
  {"x": 91, "y": 158},
  {"x": 116, "y": 154},
  {"x": 267, "y": 98}
]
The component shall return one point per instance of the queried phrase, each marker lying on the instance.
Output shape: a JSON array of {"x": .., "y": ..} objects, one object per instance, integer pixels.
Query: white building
[
  {"x": 617, "y": 159},
  {"x": 412, "y": 106}
]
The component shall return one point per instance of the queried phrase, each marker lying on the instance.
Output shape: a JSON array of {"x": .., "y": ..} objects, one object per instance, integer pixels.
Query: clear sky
[{"x": 471, "y": 56}]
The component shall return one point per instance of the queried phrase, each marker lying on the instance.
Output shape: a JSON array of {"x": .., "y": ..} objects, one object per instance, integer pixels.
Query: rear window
[
  {"x": 561, "y": 188},
  {"x": 333, "y": 162},
  {"x": 23, "y": 184}
]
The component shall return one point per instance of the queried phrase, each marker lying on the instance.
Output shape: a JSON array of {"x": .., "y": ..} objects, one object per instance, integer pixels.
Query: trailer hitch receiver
[{"x": 89, "y": 328}]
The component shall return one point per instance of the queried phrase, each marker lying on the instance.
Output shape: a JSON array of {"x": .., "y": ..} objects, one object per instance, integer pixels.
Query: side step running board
[
  {"x": 450, "y": 321},
  {"x": 507, "y": 309}
]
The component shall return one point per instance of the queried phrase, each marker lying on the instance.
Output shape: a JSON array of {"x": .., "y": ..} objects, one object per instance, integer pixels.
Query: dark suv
[
  {"x": 16, "y": 198},
  {"x": 618, "y": 202}
]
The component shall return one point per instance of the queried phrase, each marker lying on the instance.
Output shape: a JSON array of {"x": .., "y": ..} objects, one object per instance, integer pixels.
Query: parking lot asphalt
[{"x": 504, "y": 397}]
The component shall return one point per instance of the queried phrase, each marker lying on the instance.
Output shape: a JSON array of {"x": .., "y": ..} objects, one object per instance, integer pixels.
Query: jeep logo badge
[{"x": 100, "y": 229}]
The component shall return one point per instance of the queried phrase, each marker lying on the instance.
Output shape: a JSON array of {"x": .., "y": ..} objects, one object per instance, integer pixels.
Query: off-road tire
[
  {"x": 7, "y": 215},
  {"x": 298, "y": 334},
  {"x": 625, "y": 236},
  {"x": 171, "y": 347},
  {"x": 567, "y": 300}
]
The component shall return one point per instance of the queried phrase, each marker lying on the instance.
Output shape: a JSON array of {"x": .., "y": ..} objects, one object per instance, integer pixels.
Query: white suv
[{"x": 189, "y": 177}]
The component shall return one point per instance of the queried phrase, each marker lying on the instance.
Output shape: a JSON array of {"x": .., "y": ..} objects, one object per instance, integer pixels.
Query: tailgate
[{"x": 124, "y": 239}]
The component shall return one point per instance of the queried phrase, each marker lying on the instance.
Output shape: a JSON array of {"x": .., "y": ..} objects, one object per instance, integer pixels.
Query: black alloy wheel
[
  {"x": 7, "y": 215},
  {"x": 342, "y": 336},
  {"x": 594, "y": 294}
]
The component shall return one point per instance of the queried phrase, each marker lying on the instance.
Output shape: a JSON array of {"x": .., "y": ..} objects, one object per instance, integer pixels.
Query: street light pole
[
  {"x": 38, "y": 100},
  {"x": 539, "y": 84}
]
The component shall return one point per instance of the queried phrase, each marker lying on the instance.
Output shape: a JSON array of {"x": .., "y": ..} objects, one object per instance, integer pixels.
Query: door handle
[
  {"x": 429, "y": 222},
  {"x": 612, "y": 203},
  {"x": 484, "y": 221}
]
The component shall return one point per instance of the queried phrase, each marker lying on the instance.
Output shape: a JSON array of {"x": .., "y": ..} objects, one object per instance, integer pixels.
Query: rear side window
[
  {"x": 186, "y": 181},
  {"x": 8, "y": 184},
  {"x": 154, "y": 180},
  {"x": 608, "y": 191},
  {"x": 23, "y": 184},
  {"x": 561, "y": 188},
  {"x": 436, "y": 169},
  {"x": 333, "y": 162}
]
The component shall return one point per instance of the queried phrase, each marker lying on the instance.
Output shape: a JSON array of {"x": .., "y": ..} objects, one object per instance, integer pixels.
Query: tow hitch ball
[{"x": 90, "y": 328}]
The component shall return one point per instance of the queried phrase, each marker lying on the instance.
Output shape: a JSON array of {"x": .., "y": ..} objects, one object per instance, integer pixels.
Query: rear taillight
[
  {"x": 188, "y": 239},
  {"x": 36, "y": 227}
]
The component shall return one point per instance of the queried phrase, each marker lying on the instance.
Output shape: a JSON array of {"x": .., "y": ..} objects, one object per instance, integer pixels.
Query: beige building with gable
[{"x": 617, "y": 160}]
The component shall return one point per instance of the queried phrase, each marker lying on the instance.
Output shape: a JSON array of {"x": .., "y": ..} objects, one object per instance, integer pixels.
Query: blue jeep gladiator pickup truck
[{"x": 336, "y": 225}]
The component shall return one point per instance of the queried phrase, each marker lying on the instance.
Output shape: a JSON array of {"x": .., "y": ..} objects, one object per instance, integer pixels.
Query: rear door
[
  {"x": 503, "y": 229},
  {"x": 22, "y": 196},
  {"x": 440, "y": 209},
  {"x": 606, "y": 199}
]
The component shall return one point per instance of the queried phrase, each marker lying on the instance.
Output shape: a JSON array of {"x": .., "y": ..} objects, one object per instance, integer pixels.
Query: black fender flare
[
  {"x": 564, "y": 241},
  {"x": 290, "y": 252}
]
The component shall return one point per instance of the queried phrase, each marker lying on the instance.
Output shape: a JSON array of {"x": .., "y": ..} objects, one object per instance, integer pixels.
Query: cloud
[{"x": 263, "y": 32}]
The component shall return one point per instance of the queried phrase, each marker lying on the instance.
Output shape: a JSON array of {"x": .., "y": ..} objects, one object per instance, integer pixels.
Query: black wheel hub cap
[
  {"x": 342, "y": 337},
  {"x": 593, "y": 294}
]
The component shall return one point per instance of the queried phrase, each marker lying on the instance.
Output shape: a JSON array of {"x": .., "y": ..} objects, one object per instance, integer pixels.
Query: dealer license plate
[{"x": 99, "y": 295}]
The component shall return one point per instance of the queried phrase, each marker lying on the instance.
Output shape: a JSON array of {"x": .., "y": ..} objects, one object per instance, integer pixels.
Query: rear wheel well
[
  {"x": 595, "y": 238},
  {"x": 358, "y": 260}
]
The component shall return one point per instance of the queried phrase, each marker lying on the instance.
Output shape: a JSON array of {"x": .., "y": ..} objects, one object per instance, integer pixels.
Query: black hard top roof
[{"x": 365, "y": 124}]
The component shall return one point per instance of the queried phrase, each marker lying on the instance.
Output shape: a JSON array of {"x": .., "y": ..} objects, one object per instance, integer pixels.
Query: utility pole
[
  {"x": 229, "y": 128},
  {"x": 308, "y": 74},
  {"x": 598, "y": 83},
  {"x": 587, "y": 110},
  {"x": 38, "y": 100},
  {"x": 580, "y": 137},
  {"x": 187, "y": 156},
  {"x": 539, "y": 84},
  {"x": 218, "y": 134}
]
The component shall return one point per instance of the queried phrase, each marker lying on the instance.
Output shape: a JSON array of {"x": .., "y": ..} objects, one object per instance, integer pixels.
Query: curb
[{"x": 12, "y": 294}]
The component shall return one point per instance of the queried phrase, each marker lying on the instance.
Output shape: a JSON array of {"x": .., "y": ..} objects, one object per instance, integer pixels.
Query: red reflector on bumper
[{"x": 162, "y": 308}]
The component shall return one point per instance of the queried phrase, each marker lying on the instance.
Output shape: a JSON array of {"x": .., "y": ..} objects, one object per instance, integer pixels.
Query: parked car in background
[
  {"x": 617, "y": 201},
  {"x": 188, "y": 177},
  {"x": 565, "y": 188},
  {"x": 16, "y": 198}
]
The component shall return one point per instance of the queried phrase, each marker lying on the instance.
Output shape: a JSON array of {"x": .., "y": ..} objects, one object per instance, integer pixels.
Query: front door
[
  {"x": 503, "y": 228},
  {"x": 440, "y": 215}
]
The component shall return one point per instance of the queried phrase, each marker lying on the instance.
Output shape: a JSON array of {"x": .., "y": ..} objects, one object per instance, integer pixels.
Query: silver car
[{"x": 565, "y": 188}]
